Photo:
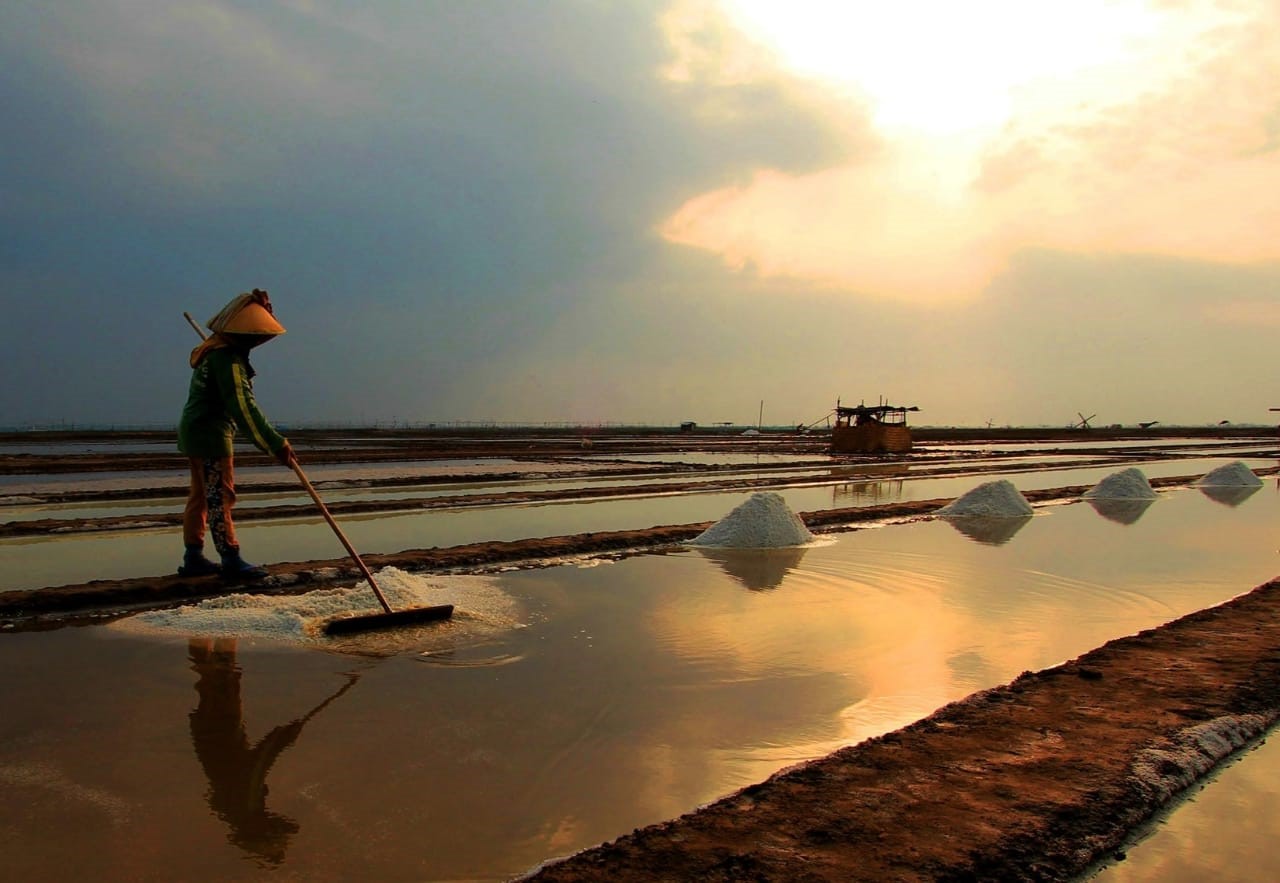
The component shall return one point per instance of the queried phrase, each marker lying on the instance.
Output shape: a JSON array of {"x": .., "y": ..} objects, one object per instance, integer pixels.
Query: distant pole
[{"x": 760, "y": 419}]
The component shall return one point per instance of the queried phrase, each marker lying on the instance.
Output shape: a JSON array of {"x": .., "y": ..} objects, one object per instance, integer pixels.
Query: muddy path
[{"x": 1035, "y": 780}]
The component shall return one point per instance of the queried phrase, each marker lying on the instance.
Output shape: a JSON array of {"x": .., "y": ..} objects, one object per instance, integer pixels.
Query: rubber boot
[
  {"x": 195, "y": 564},
  {"x": 235, "y": 567}
]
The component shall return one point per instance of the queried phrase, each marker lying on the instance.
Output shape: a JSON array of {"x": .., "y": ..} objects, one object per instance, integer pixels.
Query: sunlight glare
[
  {"x": 938, "y": 68},
  {"x": 993, "y": 127}
]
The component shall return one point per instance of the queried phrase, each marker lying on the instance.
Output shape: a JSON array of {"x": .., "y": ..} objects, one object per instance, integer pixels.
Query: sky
[{"x": 545, "y": 211}]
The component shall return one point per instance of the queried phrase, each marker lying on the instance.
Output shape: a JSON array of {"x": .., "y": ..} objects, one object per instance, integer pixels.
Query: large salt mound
[
  {"x": 1127, "y": 484},
  {"x": 998, "y": 499},
  {"x": 763, "y": 522},
  {"x": 1232, "y": 475}
]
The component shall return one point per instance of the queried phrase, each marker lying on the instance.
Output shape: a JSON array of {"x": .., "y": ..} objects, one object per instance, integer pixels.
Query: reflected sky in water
[{"x": 634, "y": 691}]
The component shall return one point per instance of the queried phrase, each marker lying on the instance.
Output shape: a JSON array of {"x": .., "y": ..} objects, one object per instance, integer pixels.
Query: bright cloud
[{"x": 1121, "y": 127}]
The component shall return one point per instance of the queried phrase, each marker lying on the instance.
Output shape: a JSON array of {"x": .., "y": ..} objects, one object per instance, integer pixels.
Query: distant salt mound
[
  {"x": 995, "y": 499},
  {"x": 1232, "y": 475},
  {"x": 1127, "y": 484},
  {"x": 763, "y": 522}
]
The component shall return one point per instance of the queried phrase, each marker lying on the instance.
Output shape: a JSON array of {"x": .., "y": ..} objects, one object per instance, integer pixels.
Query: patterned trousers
[{"x": 213, "y": 493}]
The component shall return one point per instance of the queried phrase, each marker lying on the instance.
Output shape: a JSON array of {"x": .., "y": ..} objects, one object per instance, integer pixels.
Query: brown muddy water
[{"x": 596, "y": 698}]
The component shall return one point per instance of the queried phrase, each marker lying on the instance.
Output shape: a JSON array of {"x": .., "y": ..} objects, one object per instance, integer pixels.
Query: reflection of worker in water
[{"x": 237, "y": 771}]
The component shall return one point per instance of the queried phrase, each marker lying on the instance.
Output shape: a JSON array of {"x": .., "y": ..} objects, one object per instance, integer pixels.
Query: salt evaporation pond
[
  {"x": 32, "y": 562},
  {"x": 637, "y": 690}
]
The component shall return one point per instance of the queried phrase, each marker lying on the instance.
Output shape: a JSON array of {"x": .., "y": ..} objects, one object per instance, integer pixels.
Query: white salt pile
[
  {"x": 1127, "y": 484},
  {"x": 1232, "y": 475},
  {"x": 300, "y": 617},
  {"x": 763, "y": 522},
  {"x": 999, "y": 499}
]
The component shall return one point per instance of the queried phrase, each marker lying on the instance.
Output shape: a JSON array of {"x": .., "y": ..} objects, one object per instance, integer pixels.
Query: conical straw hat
[
  {"x": 252, "y": 319},
  {"x": 247, "y": 314}
]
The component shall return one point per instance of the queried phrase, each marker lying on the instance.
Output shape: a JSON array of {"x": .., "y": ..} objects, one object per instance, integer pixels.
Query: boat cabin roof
[{"x": 878, "y": 411}]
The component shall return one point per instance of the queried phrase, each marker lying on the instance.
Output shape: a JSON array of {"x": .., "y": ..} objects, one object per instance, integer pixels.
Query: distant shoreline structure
[{"x": 923, "y": 432}]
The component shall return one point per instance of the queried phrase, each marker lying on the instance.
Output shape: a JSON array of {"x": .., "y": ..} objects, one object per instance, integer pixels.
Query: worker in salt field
[{"x": 219, "y": 402}]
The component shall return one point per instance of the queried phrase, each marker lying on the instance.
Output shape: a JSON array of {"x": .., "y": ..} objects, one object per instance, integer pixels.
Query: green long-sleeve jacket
[{"x": 220, "y": 401}]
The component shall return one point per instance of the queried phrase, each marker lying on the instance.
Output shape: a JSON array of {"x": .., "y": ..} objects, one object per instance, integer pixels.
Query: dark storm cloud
[{"x": 459, "y": 169}]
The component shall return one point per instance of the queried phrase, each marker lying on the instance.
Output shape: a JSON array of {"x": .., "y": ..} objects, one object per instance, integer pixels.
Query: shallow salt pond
[
  {"x": 32, "y": 562},
  {"x": 605, "y": 697}
]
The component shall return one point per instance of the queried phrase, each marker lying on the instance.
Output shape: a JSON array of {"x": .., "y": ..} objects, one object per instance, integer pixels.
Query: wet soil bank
[{"x": 1036, "y": 780}]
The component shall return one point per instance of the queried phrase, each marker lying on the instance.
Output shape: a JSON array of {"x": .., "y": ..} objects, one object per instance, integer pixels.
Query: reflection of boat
[
  {"x": 757, "y": 569},
  {"x": 874, "y": 482},
  {"x": 873, "y": 491},
  {"x": 871, "y": 429},
  {"x": 993, "y": 530},
  {"x": 869, "y": 471},
  {"x": 1119, "y": 510},
  {"x": 1228, "y": 495}
]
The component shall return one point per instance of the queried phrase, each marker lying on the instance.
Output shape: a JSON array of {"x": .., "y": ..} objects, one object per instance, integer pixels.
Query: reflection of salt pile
[
  {"x": 990, "y": 530},
  {"x": 299, "y": 617},
  {"x": 1127, "y": 484},
  {"x": 1119, "y": 510},
  {"x": 995, "y": 499},
  {"x": 757, "y": 569},
  {"x": 1228, "y": 495},
  {"x": 763, "y": 522},
  {"x": 1232, "y": 475}
]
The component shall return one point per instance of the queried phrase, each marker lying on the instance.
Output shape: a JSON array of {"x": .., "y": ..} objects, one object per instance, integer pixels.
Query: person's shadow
[{"x": 236, "y": 770}]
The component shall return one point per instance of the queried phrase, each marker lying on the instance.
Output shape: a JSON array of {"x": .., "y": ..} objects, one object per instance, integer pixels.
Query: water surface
[{"x": 628, "y": 693}]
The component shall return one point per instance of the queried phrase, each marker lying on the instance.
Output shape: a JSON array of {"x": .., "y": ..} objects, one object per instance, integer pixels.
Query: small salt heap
[
  {"x": 1235, "y": 474},
  {"x": 298, "y": 618},
  {"x": 763, "y": 522},
  {"x": 1127, "y": 484},
  {"x": 997, "y": 499}
]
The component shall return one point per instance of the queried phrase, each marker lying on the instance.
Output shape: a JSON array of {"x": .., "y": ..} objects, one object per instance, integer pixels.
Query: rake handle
[{"x": 324, "y": 510}]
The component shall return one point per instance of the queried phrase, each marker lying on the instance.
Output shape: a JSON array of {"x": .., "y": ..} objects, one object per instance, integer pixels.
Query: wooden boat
[{"x": 871, "y": 429}]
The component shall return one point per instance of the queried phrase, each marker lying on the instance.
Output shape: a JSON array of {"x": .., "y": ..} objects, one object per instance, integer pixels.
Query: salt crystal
[
  {"x": 763, "y": 522},
  {"x": 995, "y": 498}
]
